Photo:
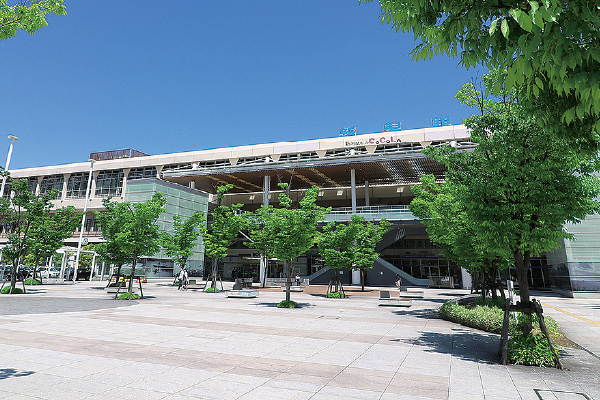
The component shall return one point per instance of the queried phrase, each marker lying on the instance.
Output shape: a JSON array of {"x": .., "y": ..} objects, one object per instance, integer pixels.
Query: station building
[{"x": 369, "y": 175}]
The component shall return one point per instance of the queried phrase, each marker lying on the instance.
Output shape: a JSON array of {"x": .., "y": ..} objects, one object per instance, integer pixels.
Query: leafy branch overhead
[
  {"x": 550, "y": 48},
  {"x": 29, "y": 18}
]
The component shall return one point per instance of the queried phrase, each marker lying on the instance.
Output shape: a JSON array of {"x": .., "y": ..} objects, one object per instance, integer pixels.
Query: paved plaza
[{"x": 68, "y": 341}]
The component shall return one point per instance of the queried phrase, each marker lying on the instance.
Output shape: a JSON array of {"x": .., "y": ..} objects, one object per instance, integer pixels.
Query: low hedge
[
  {"x": 35, "y": 282},
  {"x": 287, "y": 304},
  {"x": 212, "y": 290},
  {"x": 16, "y": 290},
  {"x": 336, "y": 295},
  {"x": 125, "y": 296},
  {"x": 488, "y": 316}
]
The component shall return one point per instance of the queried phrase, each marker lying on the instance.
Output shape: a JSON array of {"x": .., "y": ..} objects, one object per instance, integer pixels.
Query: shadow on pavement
[{"x": 6, "y": 373}]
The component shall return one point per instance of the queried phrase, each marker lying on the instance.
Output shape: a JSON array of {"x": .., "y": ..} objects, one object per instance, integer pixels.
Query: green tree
[
  {"x": 335, "y": 245},
  {"x": 363, "y": 249},
  {"x": 29, "y": 18},
  {"x": 50, "y": 231},
  {"x": 440, "y": 209},
  {"x": 22, "y": 213},
  {"x": 130, "y": 231},
  {"x": 292, "y": 230},
  {"x": 520, "y": 185},
  {"x": 550, "y": 49},
  {"x": 225, "y": 227},
  {"x": 179, "y": 245},
  {"x": 259, "y": 239}
]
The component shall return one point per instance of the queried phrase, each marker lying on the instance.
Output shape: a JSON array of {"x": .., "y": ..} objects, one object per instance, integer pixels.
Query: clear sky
[{"x": 163, "y": 77}]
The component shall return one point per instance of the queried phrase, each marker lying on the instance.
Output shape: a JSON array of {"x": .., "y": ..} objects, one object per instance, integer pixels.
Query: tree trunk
[
  {"x": 288, "y": 278},
  {"x": 522, "y": 264},
  {"x": 131, "y": 277},
  {"x": 214, "y": 274},
  {"x": 13, "y": 277},
  {"x": 362, "y": 279}
]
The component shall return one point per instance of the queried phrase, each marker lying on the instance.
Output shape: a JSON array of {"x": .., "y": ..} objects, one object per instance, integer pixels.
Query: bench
[
  {"x": 242, "y": 293},
  {"x": 294, "y": 288},
  {"x": 409, "y": 294},
  {"x": 386, "y": 300},
  {"x": 193, "y": 285}
]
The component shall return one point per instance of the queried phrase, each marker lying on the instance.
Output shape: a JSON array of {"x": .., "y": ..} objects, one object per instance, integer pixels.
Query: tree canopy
[
  {"x": 179, "y": 245},
  {"x": 519, "y": 186},
  {"x": 550, "y": 48},
  {"x": 29, "y": 18}
]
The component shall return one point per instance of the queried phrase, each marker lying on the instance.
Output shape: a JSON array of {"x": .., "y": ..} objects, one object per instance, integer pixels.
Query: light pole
[
  {"x": 87, "y": 197},
  {"x": 12, "y": 142}
]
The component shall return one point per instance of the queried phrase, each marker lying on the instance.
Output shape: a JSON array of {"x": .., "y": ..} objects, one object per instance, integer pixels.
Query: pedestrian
[
  {"x": 185, "y": 279},
  {"x": 181, "y": 278},
  {"x": 298, "y": 280},
  {"x": 398, "y": 282}
]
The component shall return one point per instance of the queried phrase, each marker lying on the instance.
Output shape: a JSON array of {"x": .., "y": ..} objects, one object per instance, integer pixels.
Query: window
[
  {"x": 77, "y": 186},
  {"x": 52, "y": 182},
  {"x": 109, "y": 183},
  {"x": 32, "y": 184},
  {"x": 140, "y": 173}
]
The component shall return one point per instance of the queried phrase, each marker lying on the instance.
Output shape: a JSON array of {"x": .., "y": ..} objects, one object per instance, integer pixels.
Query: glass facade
[
  {"x": 52, "y": 182},
  {"x": 109, "y": 183},
  {"x": 77, "y": 186},
  {"x": 140, "y": 173}
]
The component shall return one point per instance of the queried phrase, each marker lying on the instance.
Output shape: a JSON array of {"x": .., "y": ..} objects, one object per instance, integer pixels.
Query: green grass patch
[
  {"x": 213, "y": 290},
  {"x": 287, "y": 304},
  {"x": 125, "y": 296},
  {"x": 35, "y": 282},
  {"x": 16, "y": 290},
  {"x": 336, "y": 295}
]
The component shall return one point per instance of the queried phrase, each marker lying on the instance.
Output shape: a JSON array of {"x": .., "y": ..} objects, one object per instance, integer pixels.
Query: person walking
[{"x": 181, "y": 278}]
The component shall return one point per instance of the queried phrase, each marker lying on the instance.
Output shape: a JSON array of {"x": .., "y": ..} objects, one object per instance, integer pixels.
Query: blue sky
[{"x": 193, "y": 75}]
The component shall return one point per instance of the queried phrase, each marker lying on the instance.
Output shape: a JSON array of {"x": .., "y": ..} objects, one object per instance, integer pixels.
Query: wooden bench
[
  {"x": 242, "y": 293},
  {"x": 386, "y": 300}
]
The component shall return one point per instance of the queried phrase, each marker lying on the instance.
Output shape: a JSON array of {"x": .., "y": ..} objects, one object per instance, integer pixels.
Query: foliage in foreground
[
  {"x": 530, "y": 350},
  {"x": 126, "y": 296},
  {"x": 336, "y": 295},
  {"x": 487, "y": 315},
  {"x": 287, "y": 304},
  {"x": 16, "y": 290}
]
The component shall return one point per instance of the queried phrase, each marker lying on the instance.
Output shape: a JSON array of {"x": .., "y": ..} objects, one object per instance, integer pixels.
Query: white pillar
[
  {"x": 63, "y": 195},
  {"x": 266, "y": 189},
  {"x": 192, "y": 185},
  {"x": 124, "y": 187},
  {"x": 10, "y": 150},
  {"x": 353, "y": 189},
  {"x": 356, "y": 276},
  {"x": 87, "y": 198},
  {"x": 38, "y": 187},
  {"x": 367, "y": 201},
  {"x": 63, "y": 264},
  {"x": 93, "y": 182},
  {"x": 93, "y": 266}
]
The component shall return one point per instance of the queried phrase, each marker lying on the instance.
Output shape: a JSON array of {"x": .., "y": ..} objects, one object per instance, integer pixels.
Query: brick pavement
[{"x": 73, "y": 342}]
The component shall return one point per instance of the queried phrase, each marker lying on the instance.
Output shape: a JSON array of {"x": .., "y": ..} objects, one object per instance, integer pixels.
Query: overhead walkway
[{"x": 372, "y": 213}]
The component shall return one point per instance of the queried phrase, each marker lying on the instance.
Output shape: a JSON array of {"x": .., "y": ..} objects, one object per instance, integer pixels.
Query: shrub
[
  {"x": 531, "y": 350},
  {"x": 16, "y": 290},
  {"x": 287, "y": 304},
  {"x": 125, "y": 296},
  {"x": 336, "y": 295},
  {"x": 482, "y": 317},
  {"x": 35, "y": 282},
  {"x": 212, "y": 290}
]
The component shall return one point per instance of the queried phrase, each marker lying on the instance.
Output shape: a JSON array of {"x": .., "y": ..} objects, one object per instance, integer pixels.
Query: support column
[
  {"x": 367, "y": 200},
  {"x": 93, "y": 266},
  {"x": 63, "y": 195},
  {"x": 93, "y": 184},
  {"x": 192, "y": 185},
  {"x": 263, "y": 259},
  {"x": 38, "y": 187},
  {"x": 266, "y": 189},
  {"x": 159, "y": 169},
  {"x": 125, "y": 175},
  {"x": 353, "y": 189}
]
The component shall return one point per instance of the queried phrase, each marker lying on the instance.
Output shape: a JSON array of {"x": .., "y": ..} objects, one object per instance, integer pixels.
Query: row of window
[{"x": 108, "y": 183}]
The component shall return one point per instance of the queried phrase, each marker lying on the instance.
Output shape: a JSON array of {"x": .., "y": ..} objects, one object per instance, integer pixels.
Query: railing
[{"x": 371, "y": 213}]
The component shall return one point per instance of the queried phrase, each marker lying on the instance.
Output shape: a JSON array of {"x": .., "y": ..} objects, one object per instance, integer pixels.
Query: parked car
[{"x": 46, "y": 272}]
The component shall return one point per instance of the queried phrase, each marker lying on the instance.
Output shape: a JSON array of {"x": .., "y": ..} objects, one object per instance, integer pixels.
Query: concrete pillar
[
  {"x": 93, "y": 266},
  {"x": 125, "y": 175},
  {"x": 192, "y": 184},
  {"x": 38, "y": 187},
  {"x": 356, "y": 276},
  {"x": 63, "y": 195},
  {"x": 159, "y": 169},
  {"x": 353, "y": 189},
  {"x": 266, "y": 189},
  {"x": 367, "y": 200},
  {"x": 93, "y": 184}
]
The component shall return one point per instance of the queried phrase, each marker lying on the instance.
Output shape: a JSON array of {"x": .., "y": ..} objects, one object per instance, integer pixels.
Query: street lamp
[
  {"x": 12, "y": 142},
  {"x": 87, "y": 197}
]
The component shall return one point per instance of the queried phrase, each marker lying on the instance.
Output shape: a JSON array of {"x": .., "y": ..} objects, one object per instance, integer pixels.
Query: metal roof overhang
[{"x": 378, "y": 169}]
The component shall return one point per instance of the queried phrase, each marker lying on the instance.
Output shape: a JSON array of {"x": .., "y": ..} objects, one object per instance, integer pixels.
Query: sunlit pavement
[{"x": 74, "y": 342}]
